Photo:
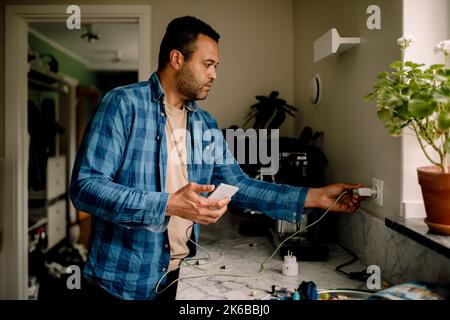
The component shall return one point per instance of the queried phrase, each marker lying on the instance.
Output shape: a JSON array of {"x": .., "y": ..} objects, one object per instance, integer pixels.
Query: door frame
[{"x": 14, "y": 228}]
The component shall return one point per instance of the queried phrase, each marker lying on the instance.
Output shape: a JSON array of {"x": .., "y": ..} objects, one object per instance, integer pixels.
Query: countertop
[
  {"x": 417, "y": 230},
  {"x": 246, "y": 260}
]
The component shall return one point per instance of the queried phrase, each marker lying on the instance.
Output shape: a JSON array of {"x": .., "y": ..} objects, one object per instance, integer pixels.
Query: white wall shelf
[{"x": 332, "y": 43}]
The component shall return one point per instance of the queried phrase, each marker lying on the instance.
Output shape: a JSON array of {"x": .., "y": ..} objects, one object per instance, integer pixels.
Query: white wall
[
  {"x": 256, "y": 50},
  {"x": 429, "y": 22},
  {"x": 355, "y": 141}
]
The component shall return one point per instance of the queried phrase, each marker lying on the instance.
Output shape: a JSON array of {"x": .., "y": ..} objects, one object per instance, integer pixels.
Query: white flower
[
  {"x": 405, "y": 41},
  {"x": 444, "y": 47}
]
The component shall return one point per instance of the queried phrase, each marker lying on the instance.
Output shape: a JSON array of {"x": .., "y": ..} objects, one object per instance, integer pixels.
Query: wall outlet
[{"x": 377, "y": 185}]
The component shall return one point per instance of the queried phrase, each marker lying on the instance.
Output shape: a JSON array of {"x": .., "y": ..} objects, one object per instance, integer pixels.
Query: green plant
[
  {"x": 418, "y": 98},
  {"x": 270, "y": 112}
]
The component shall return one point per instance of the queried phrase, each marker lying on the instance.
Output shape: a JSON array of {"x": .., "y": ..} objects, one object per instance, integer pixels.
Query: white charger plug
[
  {"x": 290, "y": 265},
  {"x": 365, "y": 192}
]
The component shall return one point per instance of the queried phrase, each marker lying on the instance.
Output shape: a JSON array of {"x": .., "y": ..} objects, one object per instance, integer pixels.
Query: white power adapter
[
  {"x": 290, "y": 266},
  {"x": 365, "y": 192}
]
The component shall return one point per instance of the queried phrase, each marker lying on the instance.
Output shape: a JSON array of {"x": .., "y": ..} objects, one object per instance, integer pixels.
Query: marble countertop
[
  {"x": 223, "y": 237},
  {"x": 416, "y": 229}
]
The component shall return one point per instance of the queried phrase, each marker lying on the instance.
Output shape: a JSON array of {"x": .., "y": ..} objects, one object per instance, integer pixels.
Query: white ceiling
[{"x": 115, "y": 38}]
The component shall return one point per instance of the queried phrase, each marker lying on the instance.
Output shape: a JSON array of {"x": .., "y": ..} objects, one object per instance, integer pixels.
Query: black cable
[
  {"x": 354, "y": 258},
  {"x": 359, "y": 275}
]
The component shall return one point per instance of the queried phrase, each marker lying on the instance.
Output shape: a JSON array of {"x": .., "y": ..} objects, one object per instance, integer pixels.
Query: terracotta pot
[{"x": 436, "y": 196}]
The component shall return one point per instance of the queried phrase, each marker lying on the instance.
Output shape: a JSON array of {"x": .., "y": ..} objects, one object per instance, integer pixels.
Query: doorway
[{"x": 14, "y": 251}]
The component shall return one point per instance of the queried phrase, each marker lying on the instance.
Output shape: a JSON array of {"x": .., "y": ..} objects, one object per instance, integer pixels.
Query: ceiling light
[
  {"x": 90, "y": 35},
  {"x": 118, "y": 58}
]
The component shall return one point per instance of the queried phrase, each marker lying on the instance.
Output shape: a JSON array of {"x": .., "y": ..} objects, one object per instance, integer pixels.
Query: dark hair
[{"x": 181, "y": 34}]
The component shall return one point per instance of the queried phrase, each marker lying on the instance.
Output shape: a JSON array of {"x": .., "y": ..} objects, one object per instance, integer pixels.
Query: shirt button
[
  {"x": 157, "y": 137},
  {"x": 164, "y": 269},
  {"x": 162, "y": 114},
  {"x": 166, "y": 246}
]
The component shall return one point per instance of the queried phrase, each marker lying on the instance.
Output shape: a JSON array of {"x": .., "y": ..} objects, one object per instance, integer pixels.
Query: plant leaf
[
  {"x": 444, "y": 120},
  {"x": 291, "y": 107},
  {"x": 273, "y": 94},
  {"x": 413, "y": 64},
  {"x": 436, "y": 66},
  {"x": 277, "y": 120},
  {"x": 420, "y": 108},
  {"x": 385, "y": 115},
  {"x": 402, "y": 112},
  {"x": 396, "y": 65},
  {"x": 370, "y": 97}
]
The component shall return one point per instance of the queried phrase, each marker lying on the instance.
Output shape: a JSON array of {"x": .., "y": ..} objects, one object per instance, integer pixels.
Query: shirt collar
[{"x": 158, "y": 93}]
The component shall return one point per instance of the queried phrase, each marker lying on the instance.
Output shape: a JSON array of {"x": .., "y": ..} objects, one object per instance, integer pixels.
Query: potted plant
[
  {"x": 419, "y": 98},
  {"x": 270, "y": 112}
]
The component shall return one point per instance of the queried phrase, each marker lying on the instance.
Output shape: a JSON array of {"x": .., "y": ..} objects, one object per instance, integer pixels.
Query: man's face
[{"x": 196, "y": 76}]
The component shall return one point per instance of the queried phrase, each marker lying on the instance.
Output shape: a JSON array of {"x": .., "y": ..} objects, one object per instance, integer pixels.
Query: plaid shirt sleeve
[
  {"x": 278, "y": 201},
  {"x": 92, "y": 187}
]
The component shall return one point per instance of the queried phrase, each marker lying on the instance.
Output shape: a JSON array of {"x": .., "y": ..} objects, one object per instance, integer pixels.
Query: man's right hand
[{"x": 188, "y": 204}]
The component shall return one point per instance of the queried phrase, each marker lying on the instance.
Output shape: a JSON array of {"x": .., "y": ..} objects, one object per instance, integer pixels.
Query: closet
[{"x": 51, "y": 99}]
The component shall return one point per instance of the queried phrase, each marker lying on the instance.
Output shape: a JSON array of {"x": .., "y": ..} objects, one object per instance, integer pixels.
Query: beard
[{"x": 188, "y": 86}]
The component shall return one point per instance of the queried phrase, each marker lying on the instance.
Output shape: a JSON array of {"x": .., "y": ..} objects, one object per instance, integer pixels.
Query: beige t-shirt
[{"x": 176, "y": 178}]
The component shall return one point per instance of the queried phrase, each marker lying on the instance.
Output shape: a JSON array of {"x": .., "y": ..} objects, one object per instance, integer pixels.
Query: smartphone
[{"x": 223, "y": 191}]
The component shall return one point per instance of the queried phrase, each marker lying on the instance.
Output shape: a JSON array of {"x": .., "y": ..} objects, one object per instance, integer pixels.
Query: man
[{"x": 138, "y": 180}]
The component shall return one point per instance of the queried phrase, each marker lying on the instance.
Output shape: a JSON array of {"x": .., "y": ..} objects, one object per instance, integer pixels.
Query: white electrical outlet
[{"x": 377, "y": 185}]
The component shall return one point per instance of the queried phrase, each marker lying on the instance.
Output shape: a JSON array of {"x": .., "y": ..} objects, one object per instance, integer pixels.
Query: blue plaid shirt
[{"x": 119, "y": 178}]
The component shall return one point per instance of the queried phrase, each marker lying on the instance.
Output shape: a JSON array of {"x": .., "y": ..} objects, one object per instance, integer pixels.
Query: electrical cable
[
  {"x": 197, "y": 245},
  {"x": 301, "y": 230},
  {"x": 354, "y": 258},
  {"x": 208, "y": 258},
  {"x": 358, "y": 275},
  {"x": 262, "y": 269}
]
